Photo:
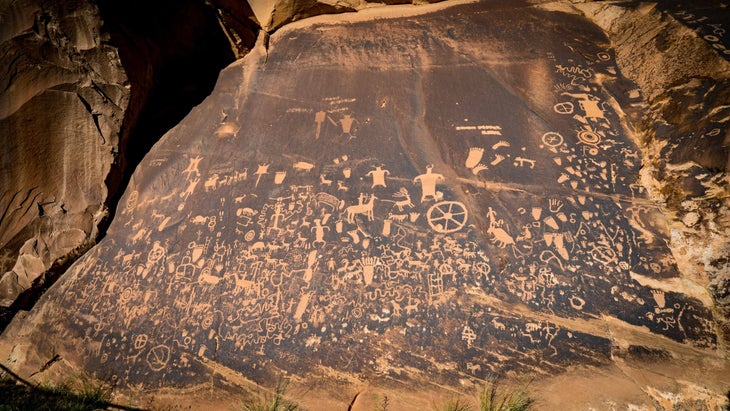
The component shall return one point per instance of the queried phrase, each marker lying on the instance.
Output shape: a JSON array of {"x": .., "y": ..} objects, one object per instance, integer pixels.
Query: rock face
[
  {"x": 61, "y": 110},
  {"x": 685, "y": 133},
  {"x": 459, "y": 198},
  {"x": 88, "y": 89}
]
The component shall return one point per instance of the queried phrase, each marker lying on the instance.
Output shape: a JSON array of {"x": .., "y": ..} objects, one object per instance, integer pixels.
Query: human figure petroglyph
[
  {"x": 468, "y": 335},
  {"x": 428, "y": 183},
  {"x": 189, "y": 190},
  {"x": 276, "y": 217},
  {"x": 378, "y": 176},
  {"x": 346, "y": 122},
  {"x": 192, "y": 167}
]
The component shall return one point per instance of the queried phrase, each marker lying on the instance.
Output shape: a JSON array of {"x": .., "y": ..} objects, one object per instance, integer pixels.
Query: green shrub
[{"x": 495, "y": 398}]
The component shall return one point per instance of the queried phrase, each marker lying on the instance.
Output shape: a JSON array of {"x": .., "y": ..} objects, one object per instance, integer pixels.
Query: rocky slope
[{"x": 491, "y": 188}]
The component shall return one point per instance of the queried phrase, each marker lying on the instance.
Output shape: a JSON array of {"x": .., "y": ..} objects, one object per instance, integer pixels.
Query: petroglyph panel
[{"x": 395, "y": 213}]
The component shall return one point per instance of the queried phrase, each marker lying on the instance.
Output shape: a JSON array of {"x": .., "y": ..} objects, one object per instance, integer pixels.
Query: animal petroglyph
[
  {"x": 361, "y": 208},
  {"x": 404, "y": 199},
  {"x": 497, "y": 234}
]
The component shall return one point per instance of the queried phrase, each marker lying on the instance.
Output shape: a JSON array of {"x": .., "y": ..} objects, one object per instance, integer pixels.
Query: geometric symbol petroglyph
[
  {"x": 140, "y": 341},
  {"x": 447, "y": 216},
  {"x": 564, "y": 108},
  {"x": 552, "y": 139},
  {"x": 158, "y": 357},
  {"x": 589, "y": 137}
]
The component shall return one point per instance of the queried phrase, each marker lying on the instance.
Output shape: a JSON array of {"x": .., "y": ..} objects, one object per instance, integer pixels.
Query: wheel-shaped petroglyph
[
  {"x": 140, "y": 341},
  {"x": 158, "y": 357},
  {"x": 447, "y": 216},
  {"x": 552, "y": 139},
  {"x": 564, "y": 107}
]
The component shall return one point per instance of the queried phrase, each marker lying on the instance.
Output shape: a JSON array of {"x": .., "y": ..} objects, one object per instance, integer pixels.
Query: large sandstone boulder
[
  {"x": 87, "y": 88},
  {"x": 416, "y": 211},
  {"x": 61, "y": 109}
]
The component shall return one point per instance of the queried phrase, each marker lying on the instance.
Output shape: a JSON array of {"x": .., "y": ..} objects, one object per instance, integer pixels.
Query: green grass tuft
[
  {"x": 495, "y": 398},
  {"x": 454, "y": 404},
  {"x": 274, "y": 402}
]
